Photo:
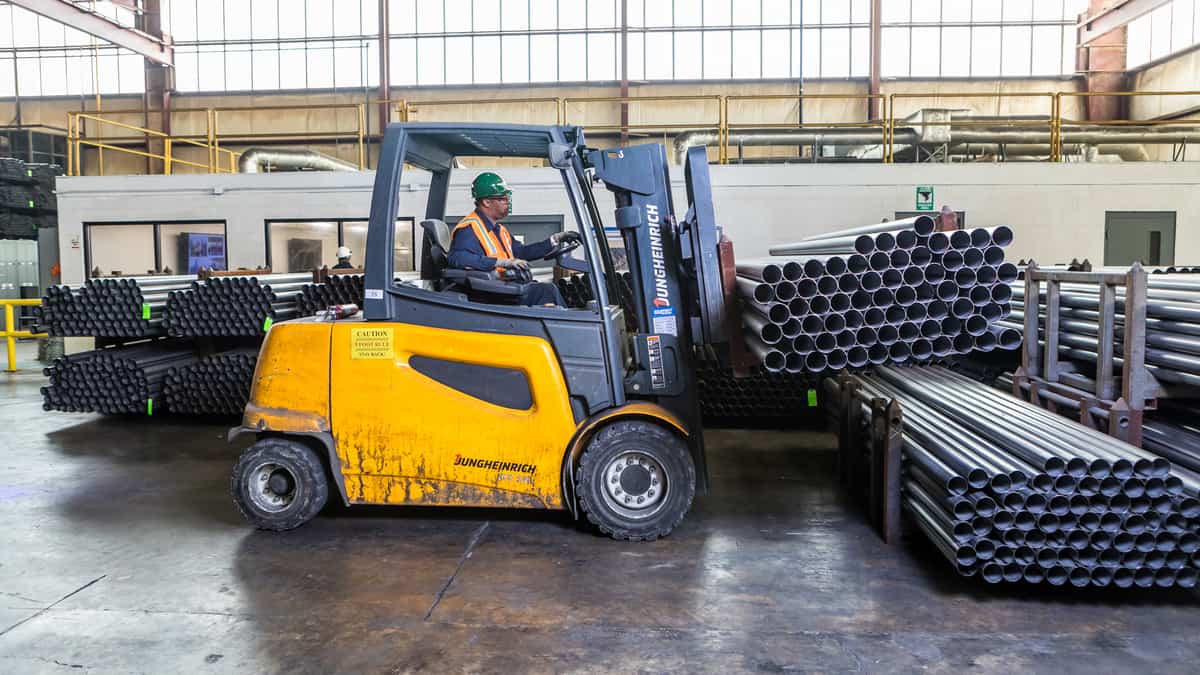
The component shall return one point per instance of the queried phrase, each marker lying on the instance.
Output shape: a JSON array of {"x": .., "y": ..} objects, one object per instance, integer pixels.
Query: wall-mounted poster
[{"x": 201, "y": 251}]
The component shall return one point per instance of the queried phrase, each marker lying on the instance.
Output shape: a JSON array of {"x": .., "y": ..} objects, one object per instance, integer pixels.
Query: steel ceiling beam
[
  {"x": 1117, "y": 15},
  {"x": 81, "y": 18}
]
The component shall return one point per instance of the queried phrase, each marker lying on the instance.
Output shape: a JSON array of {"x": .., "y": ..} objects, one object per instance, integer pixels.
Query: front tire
[
  {"x": 279, "y": 484},
  {"x": 635, "y": 481}
]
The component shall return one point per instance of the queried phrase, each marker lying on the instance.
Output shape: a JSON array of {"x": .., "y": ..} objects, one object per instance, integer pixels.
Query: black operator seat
[{"x": 478, "y": 284}]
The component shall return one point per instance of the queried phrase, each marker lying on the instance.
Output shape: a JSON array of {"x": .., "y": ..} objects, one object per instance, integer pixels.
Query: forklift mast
[
  {"x": 678, "y": 302},
  {"x": 674, "y": 263}
]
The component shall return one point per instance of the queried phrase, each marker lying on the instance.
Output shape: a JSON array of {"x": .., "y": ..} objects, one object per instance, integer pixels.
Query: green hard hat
[{"x": 488, "y": 184}]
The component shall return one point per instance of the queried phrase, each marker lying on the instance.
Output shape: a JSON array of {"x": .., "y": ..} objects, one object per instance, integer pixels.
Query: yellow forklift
[{"x": 444, "y": 392}]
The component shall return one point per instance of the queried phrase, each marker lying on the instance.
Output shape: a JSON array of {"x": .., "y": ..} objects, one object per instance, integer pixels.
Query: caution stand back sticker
[{"x": 371, "y": 343}]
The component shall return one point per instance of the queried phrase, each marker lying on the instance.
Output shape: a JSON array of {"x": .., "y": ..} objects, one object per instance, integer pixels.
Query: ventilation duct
[{"x": 263, "y": 160}]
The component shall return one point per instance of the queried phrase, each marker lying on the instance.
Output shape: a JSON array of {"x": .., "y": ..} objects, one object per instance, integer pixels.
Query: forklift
[{"x": 444, "y": 392}]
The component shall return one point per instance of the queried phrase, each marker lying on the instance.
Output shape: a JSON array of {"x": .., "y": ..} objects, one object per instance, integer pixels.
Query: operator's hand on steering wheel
[{"x": 562, "y": 243}]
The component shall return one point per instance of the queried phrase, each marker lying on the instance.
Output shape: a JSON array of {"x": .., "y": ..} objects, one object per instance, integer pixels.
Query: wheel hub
[
  {"x": 271, "y": 487},
  {"x": 634, "y": 483},
  {"x": 281, "y": 482}
]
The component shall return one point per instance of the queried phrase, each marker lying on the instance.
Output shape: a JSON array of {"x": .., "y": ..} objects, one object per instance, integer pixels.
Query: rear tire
[
  {"x": 279, "y": 484},
  {"x": 635, "y": 481}
]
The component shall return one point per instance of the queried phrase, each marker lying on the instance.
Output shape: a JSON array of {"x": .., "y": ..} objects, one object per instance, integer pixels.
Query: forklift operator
[{"x": 480, "y": 242}]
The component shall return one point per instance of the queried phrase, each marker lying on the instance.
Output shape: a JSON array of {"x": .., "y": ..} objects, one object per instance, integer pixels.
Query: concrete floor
[{"x": 120, "y": 551}]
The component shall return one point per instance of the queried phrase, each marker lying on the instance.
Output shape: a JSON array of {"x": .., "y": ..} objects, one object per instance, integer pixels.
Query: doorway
[{"x": 1145, "y": 236}]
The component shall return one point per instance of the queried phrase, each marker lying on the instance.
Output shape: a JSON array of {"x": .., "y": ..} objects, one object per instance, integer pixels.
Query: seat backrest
[{"x": 438, "y": 236}]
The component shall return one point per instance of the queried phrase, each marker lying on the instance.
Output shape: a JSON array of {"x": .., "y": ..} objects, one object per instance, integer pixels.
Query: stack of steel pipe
[
  {"x": 1011, "y": 492},
  {"x": 234, "y": 305},
  {"x": 575, "y": 289},
  {"x": 762, "y": 398},
  {"x": 1169, "y": 431},
  {"x": 113, "y": 381},
  {"x": 886, "y": 293},
  {"x": 340, "y": 289},
  {"x": 1172, "y": 349},
  {"x": 217, "y": 384},
  {"x": 1172, "y": 324},
  {"x": 129, "y": 307}
]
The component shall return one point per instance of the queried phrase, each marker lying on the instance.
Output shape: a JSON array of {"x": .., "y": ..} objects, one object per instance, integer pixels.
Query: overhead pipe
[{"x": 260, "y": 160}]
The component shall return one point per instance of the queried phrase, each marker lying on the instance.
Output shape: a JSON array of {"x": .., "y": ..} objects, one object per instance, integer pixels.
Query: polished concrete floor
[{"x": 120, "y": 551}]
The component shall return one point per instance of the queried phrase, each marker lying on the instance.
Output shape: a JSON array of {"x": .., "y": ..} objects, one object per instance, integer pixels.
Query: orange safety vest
[{"x": 493, "y": 247}]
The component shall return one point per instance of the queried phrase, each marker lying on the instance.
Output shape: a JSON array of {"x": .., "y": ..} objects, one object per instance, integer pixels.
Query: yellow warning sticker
[{"x": 371, "y": 343}]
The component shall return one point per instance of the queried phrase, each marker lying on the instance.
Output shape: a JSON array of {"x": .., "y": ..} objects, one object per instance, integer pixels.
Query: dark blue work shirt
[{"x": 466, "y": 252}]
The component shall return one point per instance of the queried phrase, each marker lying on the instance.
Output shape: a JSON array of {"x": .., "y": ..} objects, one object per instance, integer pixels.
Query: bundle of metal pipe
[
  {"x": 1165, "y": 432},
  {"x": 124, "y": 380},
  {"x": 128, "y": 307},
  {"x": 763, "y": 398},
  {"x": 885, "y": 293},
  {"x": 234, "y": 305},
  {"x": 1172, "y": 341},
  {"x": 341, "y": 289},
  {"x": 217, "y": 384},
  {"x": 577, "y": 290},
  {"x": 1011, "y": 492}
]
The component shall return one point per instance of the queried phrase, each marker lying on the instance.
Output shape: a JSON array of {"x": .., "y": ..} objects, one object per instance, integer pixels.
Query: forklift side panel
[
  {"x": 433, "y": 416},
  {"x": 290, "y": 393},
  {"x": 582, "y": 351}
]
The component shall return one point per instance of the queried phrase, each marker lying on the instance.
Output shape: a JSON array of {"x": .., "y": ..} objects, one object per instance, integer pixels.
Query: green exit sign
[{"x": 924, "y": 197}]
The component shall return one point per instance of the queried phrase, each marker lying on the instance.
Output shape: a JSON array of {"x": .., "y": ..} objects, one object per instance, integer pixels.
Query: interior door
[{"x": 1145, "y": 236}]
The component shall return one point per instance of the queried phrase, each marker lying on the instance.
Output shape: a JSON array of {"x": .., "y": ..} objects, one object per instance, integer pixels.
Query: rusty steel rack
[
  {"x": 869, "y": 450},
  {"x": 1122, "y": 400}
]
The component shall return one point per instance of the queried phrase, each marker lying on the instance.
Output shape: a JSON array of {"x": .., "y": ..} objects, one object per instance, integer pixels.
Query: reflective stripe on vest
[{"x": 492, "y": 246}]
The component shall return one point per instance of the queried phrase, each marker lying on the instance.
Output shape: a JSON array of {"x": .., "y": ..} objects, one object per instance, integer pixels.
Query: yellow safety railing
[
  {"x": 717, "y": 124},
  {"x": 552, "y": 114},
  {"x": 359, "y": 132},
  {"x": 1000, "y": 97},
  {"x": 882, "y": 123},
  {"x": 218, "y": 159},
  {"x": 10, "y": 332},
  {"x": 729, "y": 113},
  {"x": 76, "y": 140},
  {"x": 1191, "y": 117}
]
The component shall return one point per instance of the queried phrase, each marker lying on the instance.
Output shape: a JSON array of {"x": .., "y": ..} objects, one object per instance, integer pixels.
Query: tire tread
[{"x": 614, "y": 434}]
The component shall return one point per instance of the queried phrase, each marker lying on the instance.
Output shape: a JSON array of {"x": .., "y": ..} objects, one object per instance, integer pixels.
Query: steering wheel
[{"x": 563, "y": 248}]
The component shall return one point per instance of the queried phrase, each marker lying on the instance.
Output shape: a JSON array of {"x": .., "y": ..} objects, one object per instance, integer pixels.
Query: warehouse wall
[
  {"x": 1057, "y": 211},
  {"x": 261, "y": 113},
  {"x": 1178, "y": 73},
  {"x": 1181, "y": 72}
]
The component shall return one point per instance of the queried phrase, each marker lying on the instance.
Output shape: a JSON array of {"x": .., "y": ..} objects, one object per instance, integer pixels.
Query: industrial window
[
  {"x": 265, "y": 45},
  {"x": 303, "y": 245},
  {"x": 448, "y": 42},
  {"x": 978, "y": 38},
  {"x": 132, "y": 249},
  {"x": 54, "y": 60},
  {"x": 1165, "y": 31}
]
